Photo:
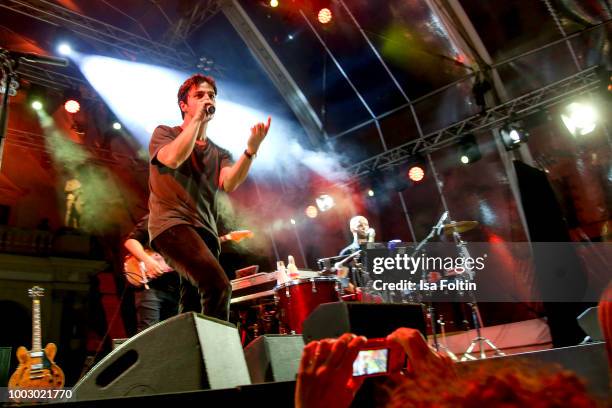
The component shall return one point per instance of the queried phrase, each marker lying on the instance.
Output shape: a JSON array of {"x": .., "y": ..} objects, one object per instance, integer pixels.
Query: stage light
[
  {"x": 605, "y": 78},
  {"x": 324, "y": 15},
  {"x": 311, "y": 211},
  {"x": 371, "y": 193},
  {"x": 37, "y": 105},
  {"x": 513, "y": 135},
  {"x": 64, "y": 49},
  {"x": 469, "y": 152},
  {"x": 71, "y": 98},
  {"x": 325, "y": 202},
  {"x": 579, "y": 118},
  {"x": 273, "y": 3},
  {"x": 292, "y": 221},
  {"x": 414, "y": 170},
  {"x": 416, "y": 173},
  {"x": 116, "y": 125},
  {"x": 72, "y": 106}
]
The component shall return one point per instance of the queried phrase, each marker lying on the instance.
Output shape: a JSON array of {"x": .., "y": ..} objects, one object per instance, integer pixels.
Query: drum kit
[{"x": 284, "y": 308}]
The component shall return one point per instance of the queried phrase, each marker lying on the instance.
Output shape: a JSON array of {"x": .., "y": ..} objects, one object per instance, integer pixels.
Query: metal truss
[
  {"x": 101, "y": 32},
  {"x": 547, "y": 96},
  {"x": 199, "y": 14},
  {"x": 55, "y": 80},
  {"x": 277, "y": 72},
  {"x": 37, "y": 142}
]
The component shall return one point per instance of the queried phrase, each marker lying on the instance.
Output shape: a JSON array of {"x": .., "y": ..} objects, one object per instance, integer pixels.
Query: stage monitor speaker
[
  {"x": 372, "y": 320},
  {"x": 589, "y": 323},
  {"x": 185, "y": 353},
  {"x": 274, "y": 357}
]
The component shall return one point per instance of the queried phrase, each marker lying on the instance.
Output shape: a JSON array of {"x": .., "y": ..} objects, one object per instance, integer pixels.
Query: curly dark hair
[
  {"x": 194, "y": 80},
  {"x": 493, "y": 383}
]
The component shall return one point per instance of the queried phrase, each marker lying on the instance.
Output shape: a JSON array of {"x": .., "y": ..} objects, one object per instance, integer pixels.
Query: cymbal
[{"x": 459, "y": 226}]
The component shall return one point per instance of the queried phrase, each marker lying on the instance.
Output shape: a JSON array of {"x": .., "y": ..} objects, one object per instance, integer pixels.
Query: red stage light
[
  {"x": 311, "y": 211},
  {"x": 72, "y": 106},
  {"x": 324, "y": 16},
  {"x": 416, "y": 173}
]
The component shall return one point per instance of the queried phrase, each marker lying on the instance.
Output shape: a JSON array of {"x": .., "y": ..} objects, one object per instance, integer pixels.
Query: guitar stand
[{"x": 479, "y": 339}]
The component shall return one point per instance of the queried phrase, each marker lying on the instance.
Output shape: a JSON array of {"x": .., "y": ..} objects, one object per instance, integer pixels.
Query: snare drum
[{"x": 296, "y": 299}]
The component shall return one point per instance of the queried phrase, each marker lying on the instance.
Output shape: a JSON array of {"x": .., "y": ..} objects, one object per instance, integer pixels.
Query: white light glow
[
  {"x": 580, "y": 118},
  {"x": 64, "y": 49},
  {"x": 465, "y": 159},
  {"x": 141, "y": 96},
  {"x": 515, "y": 136},
  {"x": 325, "y": 202},
  {"x": 144, "y": 96}
]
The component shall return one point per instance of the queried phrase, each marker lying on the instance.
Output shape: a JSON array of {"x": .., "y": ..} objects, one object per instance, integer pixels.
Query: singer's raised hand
[{"x": 258, "y": 133}]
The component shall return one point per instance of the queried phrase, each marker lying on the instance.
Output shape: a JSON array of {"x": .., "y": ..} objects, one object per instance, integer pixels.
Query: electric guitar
[
  {"x": 136, "y": 273},
  {"x": 36, "y": 367}
]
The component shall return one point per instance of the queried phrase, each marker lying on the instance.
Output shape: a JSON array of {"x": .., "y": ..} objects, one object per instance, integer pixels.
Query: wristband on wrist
[{"x": 249, "y": 155}]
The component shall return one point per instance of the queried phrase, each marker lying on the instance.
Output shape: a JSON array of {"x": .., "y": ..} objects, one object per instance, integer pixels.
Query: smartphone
[
  {"x": 371, "y": 362},
  {"x": 377, "y": 357}
]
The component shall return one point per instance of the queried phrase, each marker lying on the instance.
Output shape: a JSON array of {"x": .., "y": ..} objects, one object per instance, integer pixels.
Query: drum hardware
[
  {"x": 431, "y": 310},
  {"x": 476, "y": 319},
  {"x": 454, "y": 228},
  {"x": 444, "y": 345}
]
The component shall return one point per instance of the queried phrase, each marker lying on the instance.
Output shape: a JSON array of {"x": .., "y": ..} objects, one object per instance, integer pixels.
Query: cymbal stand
[
  {"x": 431, "y": 310},
  {"x": 476, "y": 319},
  {"x": 452, "y": 355}
]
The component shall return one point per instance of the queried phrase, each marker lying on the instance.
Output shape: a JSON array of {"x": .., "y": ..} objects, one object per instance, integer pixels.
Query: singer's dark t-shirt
[{"x": 188, "y": 194}]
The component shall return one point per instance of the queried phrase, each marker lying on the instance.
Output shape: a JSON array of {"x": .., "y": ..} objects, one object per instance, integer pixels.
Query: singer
[
  {"x": 362, "y": 233},
  {"x": 186, "y": 171}
]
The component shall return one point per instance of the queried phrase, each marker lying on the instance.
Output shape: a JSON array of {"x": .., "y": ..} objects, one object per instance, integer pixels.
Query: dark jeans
[
  {"x": 189, "y": 252},
  {"x": 154, "y": 305}
]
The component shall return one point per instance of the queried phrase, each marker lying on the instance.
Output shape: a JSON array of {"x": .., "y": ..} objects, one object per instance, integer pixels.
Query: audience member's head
[{"x": 493, "y": 383}]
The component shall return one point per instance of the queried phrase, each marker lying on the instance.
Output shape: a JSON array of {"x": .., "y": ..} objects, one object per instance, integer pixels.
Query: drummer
[{"x": 362, "y": 233}]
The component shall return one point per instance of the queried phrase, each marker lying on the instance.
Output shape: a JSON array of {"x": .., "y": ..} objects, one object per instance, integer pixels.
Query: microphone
[
  {"x": 210, "y": 109},
  {"x": 371, "y": 234}
]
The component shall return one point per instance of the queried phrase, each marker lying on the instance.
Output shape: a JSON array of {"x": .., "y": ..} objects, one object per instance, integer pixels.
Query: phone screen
[{"x": 371, "y": 362}]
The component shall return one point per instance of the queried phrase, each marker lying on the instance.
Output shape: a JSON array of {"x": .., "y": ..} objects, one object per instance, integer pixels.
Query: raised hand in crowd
[{"x": 325, "y": 377}]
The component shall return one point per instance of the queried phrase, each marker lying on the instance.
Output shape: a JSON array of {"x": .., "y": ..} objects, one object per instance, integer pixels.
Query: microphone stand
[
  {"x": 348, "y": 258},
  {"x": 431, "y": 311}
]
